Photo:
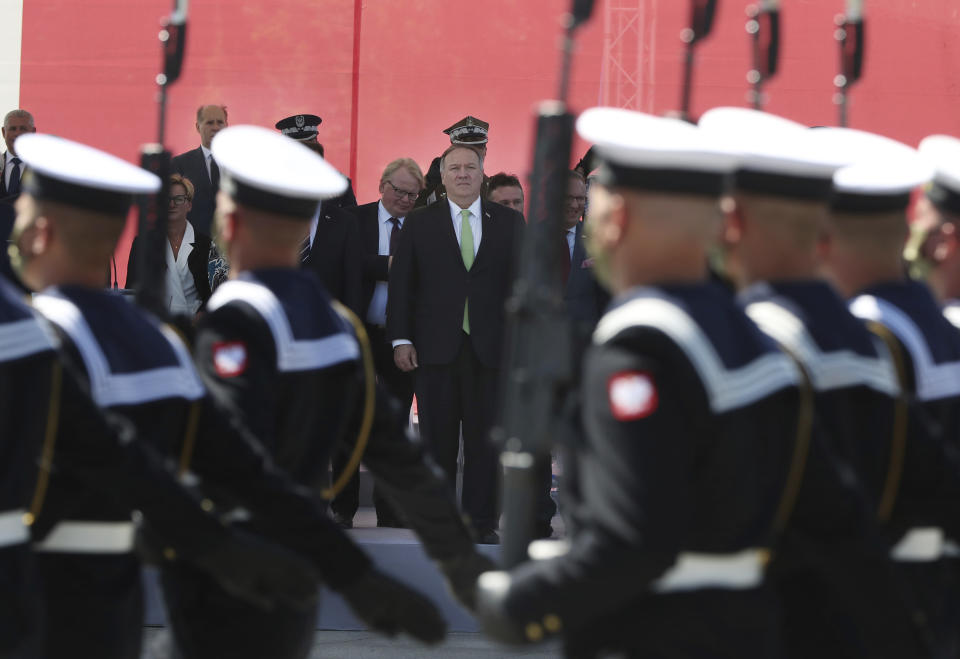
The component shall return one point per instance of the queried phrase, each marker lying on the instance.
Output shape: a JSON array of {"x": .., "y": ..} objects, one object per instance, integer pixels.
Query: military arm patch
[
  {"x": 229, "y": 358},
  {"x": 632, "y": 395}
]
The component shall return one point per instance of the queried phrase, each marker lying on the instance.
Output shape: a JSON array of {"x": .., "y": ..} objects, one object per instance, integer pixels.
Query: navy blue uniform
[
  {"x": 840, "y": 597},
  {"x": 688, "y": 427},
  {"x": 927, "y": 513},
  {"x": 287, "y": 364},
  {"x": 141, "y": 372}
]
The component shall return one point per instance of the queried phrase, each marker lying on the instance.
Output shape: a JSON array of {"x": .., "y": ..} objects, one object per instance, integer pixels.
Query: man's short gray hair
[{"x": 22, "y": 114}]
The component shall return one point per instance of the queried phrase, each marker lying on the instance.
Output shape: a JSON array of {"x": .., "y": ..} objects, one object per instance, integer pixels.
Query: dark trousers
[
  {"x": 400, "y": 386},
  {"x": 93, "y": 605},
  {"x": 462, "y": 391},
  {"x": 207, "y": 622},
  {"x": 20, "y": 605}
]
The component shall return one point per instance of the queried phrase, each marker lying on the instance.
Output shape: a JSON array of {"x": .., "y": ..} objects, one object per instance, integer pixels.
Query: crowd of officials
[{"x": 763, "y": 453}]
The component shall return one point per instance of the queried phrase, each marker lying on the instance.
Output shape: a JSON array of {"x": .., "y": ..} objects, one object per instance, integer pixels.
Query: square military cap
[
  {"x": 943, "y": 154},
  {"x": 779, "y": 157},
  {"x": 646, "y": 152},
  {"x": 880, "y": 175},
  {"x": 265, "y": 170},
  {"x": 303, "y": 127},
  {"x": 79, "y": 175},
  {"x": 469, "y": 131}
]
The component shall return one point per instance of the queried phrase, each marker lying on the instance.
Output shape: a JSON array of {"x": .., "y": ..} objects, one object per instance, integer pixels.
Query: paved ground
[{"x": 364, "y": 645}]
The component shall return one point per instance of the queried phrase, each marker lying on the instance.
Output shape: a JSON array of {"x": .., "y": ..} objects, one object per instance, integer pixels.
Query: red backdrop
[{"x": 415, "y": 67}]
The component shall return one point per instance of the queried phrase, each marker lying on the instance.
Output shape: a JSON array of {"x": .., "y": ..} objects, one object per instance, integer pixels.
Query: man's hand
[
  {"x": 389, "y": 607},
  {"x": 462, "y": 573},
  {"x": 260, "y": 573},
  {"x": 405, "y": 357}
]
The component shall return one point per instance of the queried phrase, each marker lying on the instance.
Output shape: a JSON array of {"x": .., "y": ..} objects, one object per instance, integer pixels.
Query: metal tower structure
[{"x": 627, "y": 69}]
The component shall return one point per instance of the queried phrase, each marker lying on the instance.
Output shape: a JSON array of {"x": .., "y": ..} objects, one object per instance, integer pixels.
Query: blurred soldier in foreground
[
  {"x": 863, "y": 258},
  {"x": 839, "y": 595},
  {"x": 669, "y": 534},
  {"x": 933, "y": 250},
  {"x": 289, "y": 366},
  {"x": 73, "y": 208}
]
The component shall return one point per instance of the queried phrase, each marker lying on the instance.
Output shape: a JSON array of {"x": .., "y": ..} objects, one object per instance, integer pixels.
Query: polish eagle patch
[
  {"x": 632, "y": 394},
  {"x": 229, "y": 358}
]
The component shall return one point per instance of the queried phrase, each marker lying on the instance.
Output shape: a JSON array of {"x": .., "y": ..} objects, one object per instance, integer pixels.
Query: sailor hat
[
  {"x": 943, "y": 153},
  {"x": 779, "y": 157},
  {"x": 469, "y": 130},
  {"x": 303, "y": 127},
  {"x": 880, "y": 175},
  {"x": 263, "y": 169},
  {"x": 78, "y": 175},
  {"x": 638, "y": 150}
]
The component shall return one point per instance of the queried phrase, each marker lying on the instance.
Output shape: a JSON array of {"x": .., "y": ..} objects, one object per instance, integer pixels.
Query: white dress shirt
[
  {"x": 207, "y": 154},
  {"x": 571, "y": 239},
  {"x": 377, "y": 312},
  {"x": 182, "y": 296}
]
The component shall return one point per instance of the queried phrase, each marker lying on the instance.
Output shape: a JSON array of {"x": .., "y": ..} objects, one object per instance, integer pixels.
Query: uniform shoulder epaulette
[
  {"x": 293, "y": 354},
  {"x": 835, "y": 369},
  {"x": 175, "y": 379},
  {"x": 933, "y": 380},
  {"x": 727, "y": 388}
]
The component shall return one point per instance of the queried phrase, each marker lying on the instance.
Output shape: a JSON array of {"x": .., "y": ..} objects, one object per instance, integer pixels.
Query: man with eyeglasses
[
  {"x": 187, "y": 258},
  {"x": 380, "y": 223}
]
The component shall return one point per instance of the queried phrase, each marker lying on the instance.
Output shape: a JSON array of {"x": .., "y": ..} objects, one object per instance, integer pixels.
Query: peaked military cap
[
  {"x": 779, "y": 157},
  {"x": 880, "y": 175},
  {"x": 301, "y": 127},
  {"x": 943, "y": 154},
  {"x": 469, "y": 130},
  {"x": 637, "y": 150},
  {"x": 79, "y": 175},
  {"x": 265, "y": 170}
]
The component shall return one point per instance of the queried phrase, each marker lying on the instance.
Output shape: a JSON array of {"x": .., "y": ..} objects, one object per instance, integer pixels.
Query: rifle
[
  {"x": 538, "y": 362},
  {"x": 851, "y": 53},
  {"x": 152, "y": 209},
  {"x": 766, "y": 47},
  {"x": 701, "y": 22}
]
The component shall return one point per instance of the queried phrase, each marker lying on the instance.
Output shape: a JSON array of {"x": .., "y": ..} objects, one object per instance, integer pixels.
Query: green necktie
[{"x": 466, "y": 253}]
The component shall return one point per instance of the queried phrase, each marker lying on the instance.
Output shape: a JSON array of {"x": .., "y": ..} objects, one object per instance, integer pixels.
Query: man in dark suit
[
  {"x": 15, "y": 123},
  {"x": 199, "y": 166},
  {"x": 585, "y": 299},
  {"x": 379, "y": 224},
  {"x": 451, "y": 275}
]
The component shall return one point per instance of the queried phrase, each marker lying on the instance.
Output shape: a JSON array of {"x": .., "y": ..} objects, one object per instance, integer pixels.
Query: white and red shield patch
[
  {"x": 229, "y": 358},
  {"x": 633, "y": 395}
]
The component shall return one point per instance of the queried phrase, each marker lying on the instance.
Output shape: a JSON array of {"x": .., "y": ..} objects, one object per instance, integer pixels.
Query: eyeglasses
[
  {"x": 576, "y": 200},
  {"x": 178, "y": 200},
  {"x": 403, "y": 193}
]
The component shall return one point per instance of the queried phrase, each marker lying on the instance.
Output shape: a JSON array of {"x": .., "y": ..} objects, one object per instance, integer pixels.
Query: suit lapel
[
  {"x": 579, "y": 251},
  {"x": 446, "y": 227},
  {"x": 371, "y": 229},
  {"x": 203, "y": 175},
  {"x": 487, "y": 225}
]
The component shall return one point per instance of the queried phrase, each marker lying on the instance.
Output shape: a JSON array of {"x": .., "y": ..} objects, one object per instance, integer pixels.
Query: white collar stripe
[
  {"x": 292, "y": 354},
  {"x": 22, "y": 338},
  {"x": 727, "y": 389},
  {"x": 828, "y": 370},
  {"x": 107, "y": 388},
  {"x": 952, "y": 312},
  {"x": 933, "y": 381}
]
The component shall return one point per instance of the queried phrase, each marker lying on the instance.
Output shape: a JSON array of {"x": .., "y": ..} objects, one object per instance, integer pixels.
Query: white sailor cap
[
  {"x": 637, "y": 150},
  {"x": 943, "y": 154},
  {"x": 779, "y": 157},
  {"x": 264, "y": 169},
  {"x": 880, "y": 175},
  {"x": 78, "y": 175}
]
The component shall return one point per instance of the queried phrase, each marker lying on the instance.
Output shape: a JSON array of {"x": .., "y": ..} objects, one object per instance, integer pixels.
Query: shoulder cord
[
  {"x": 49, "y": 441},
  {"x": 898, "y": 441}
]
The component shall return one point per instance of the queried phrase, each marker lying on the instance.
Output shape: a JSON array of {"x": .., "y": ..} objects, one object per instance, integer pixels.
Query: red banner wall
[{"x": 88, "y": 68}]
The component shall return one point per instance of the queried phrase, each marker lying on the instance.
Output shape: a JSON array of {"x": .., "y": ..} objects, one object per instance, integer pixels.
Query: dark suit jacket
[
  {"x": 429, "y": 283},
  {"x": 376, "y": 268},
  {"x": 192, "y": 166},
  {"x": 584, "y": 297},
  {"x": 336, "y": 256},
  {"x": 197, "y": 262}
]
